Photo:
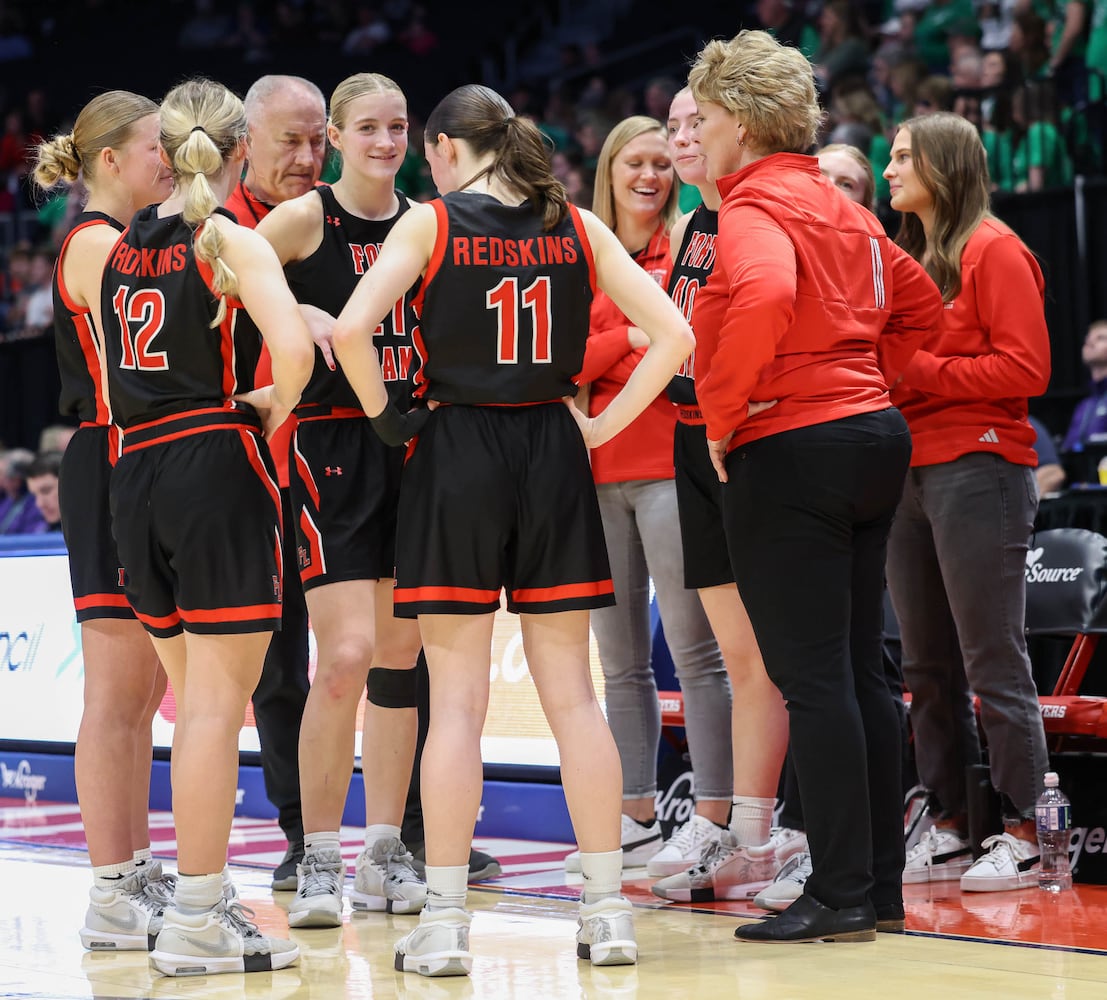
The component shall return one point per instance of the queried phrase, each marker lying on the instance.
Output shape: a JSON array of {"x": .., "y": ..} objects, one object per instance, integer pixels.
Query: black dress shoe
[
  {"x": 808, "y": 920},
  {"x": 889, "y": 918},
  {"x": 284, "y": 875}
]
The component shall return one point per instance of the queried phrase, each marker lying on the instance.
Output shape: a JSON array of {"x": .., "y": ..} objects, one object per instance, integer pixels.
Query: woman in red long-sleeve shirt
[
  {"x": 957, "y": 552},
  {"x": 811, "y": 306}
]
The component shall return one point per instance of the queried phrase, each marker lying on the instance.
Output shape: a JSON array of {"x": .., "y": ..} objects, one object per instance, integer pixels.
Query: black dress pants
[{"x": 807, "y": 518}]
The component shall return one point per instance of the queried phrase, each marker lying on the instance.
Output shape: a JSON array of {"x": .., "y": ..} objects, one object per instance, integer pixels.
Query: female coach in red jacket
[{"x": 813, "y": 309}]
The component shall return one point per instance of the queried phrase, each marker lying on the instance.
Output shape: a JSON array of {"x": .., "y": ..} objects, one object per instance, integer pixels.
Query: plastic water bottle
[{"x": 1053, "y": 814}]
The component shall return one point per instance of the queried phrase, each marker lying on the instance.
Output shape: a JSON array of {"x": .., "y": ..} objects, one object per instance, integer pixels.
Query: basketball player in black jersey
[
  {"x": 195, "y": 504},
  {"x": 114, "y": 148},
  {"x": 759, "y": 722},
  {"x": 497, "y": 490},
  {"x": 345, "y": 490}
]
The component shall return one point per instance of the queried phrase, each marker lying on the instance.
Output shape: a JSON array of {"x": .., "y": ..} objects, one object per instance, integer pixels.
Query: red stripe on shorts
[
  {"x": 467, "y": 595},
  {"x": 538, "y": 595}
]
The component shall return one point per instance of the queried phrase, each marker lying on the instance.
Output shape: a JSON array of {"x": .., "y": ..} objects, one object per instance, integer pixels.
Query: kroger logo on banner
[
  {"x": 18, "y": 647},
  {"x": 20, "y": 778}
]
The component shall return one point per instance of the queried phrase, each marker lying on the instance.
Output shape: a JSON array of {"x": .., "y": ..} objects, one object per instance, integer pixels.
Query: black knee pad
[{"x": 391, "y": 688}]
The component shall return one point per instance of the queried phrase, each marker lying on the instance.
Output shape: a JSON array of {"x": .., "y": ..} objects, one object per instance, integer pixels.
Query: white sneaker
[
  {"x": 640, "y": 843},
  {"x": 684, "y": 847},
  {"x": 725, "y": 871},
  {"x": 1007, "y": 863},
  {"x": 385, "y": 879},
  {"x": 787, "y": 885},
  {"x": 318, "y": 900},
  {"x": 124, "y": 918},
  {"x": 222, "y": 939},
  {"x": 605, "y": 932},
  {"x": 439, "y": 946},
  {"x": 786, "y": 843},
  {"x": 940, "y": 856}
]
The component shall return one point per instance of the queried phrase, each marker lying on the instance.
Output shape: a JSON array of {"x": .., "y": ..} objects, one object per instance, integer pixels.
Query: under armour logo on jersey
[
  {"x": 333, "y": 470},
  {"x": 333, "y": 220}
]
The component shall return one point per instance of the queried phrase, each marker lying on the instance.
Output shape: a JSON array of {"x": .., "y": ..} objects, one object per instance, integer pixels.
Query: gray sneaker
[
  {"x": 439, "y": 946},
  {"x": 605, "y": 932},
  {"x": 126, "y": 917},
  {"x": 385, "y": 879},
  {"x": 787, "y": 885},
  {"x": 222, "y": 939},
  {"x": 318, "y": 899},
  {"x": 727, "y": 870}
]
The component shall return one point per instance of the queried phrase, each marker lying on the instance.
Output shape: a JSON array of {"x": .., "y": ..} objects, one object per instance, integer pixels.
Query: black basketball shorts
[{"x": 494, "y": 498}]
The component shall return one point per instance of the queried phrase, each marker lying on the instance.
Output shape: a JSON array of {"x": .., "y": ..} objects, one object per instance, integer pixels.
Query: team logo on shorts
[
  {"x": 122, "y": 577},
  {"x": 277, "y": 587}
]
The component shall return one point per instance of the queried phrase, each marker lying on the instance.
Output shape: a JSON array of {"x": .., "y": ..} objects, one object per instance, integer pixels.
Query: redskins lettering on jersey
[
  {"x": 163, "y": 355},
  {"x": 690, "y": 273},
  {"x": 327, "y": 278},
  {"x": 508, "y": 304}
]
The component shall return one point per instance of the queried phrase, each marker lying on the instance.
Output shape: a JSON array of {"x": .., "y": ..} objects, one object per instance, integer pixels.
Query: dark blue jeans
[{"x": 807, "y": 518}]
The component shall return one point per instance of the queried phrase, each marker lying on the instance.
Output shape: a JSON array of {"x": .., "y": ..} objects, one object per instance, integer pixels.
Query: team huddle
[{"x": 380, "y": 393}]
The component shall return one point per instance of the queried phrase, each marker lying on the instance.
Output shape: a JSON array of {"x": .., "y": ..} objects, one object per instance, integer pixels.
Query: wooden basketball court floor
[{"x": 1022, "y": 945}]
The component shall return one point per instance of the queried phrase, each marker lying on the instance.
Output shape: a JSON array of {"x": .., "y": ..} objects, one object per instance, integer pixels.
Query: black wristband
[{"x": 396, "y": 428}]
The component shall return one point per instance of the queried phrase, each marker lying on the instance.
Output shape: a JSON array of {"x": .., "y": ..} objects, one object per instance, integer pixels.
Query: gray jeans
[
  {"x": 956, "y": 573},
  {"x": 643, "y": 542}
]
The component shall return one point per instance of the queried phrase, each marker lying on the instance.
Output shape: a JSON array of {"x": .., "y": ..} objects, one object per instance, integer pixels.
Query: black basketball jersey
[
  {"x": 163, "y": 355},
  {"x": 79, "y": 361},
  {"x": 503, "y": 310},
  {"x": 690, "y": 273},
  {"x": 328, "y": 277}
]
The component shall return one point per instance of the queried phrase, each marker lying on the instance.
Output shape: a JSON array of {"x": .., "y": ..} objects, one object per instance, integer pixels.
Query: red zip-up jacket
[
  {"x": 810, "y": 304},
  {"x": 644, "y": 450},
  {"x": 967, "y": 389}
]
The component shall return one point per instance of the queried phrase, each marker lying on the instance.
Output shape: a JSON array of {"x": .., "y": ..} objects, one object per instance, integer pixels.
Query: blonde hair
[
  {"x": 359, "y": 85},
  {"x": 202, "y": 123},
  {"x": 603, "y": 192},
  {"x": 868, "y": 193},
  {"x": 768, "y": 87},
  {"x": 106, "y": 122},
  {"x": 949, "y": 160}
]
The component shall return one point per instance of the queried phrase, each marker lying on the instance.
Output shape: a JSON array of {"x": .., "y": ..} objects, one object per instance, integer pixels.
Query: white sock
[
  {"x": 143, "y": 857},
  {"x": 226, "y": 882},
  {"x": 380, "y": 831},
  {"x": 198, "y": 893},
  {"x": 109, "y": 876},
  {"x": 327, "y": 840},
  {"x": 750, "y": 819},
  {"x": 603, "y": 875},
  {"x": 447, "y": 886}
]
